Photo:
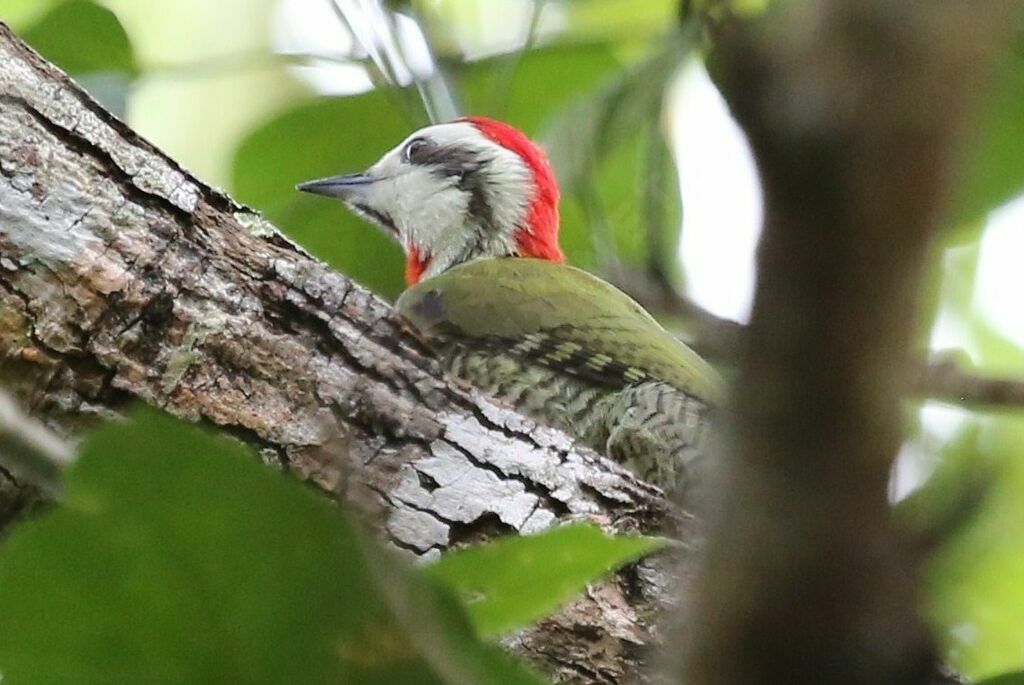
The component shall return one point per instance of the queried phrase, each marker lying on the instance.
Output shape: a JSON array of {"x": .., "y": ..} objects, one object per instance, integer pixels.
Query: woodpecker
[{"x": 474, "y": 203}]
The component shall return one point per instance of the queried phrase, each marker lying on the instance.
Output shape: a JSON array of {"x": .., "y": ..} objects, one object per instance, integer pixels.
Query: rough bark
[{"x": 123, "y": 278}]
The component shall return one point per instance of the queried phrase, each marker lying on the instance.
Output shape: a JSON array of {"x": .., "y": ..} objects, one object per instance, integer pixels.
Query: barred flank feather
[
  {"x": 573, "y": 352},
  {"x": 652, "y": 428}
]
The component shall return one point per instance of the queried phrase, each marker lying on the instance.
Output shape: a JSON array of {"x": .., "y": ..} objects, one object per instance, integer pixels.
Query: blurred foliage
[
  {"x": 466, "y": 27},
  {"x": 974, "y": 593},
  {"x": 974, "y": 582},
  {"x": 580, "y": 136},
  {"x": 629, "y": 24},
  {"x": 588, "y": 78},
  {"x": 159, "y": 567},
  {"x": 948, "y": 502},
  {"x": 177, "y": 557}
]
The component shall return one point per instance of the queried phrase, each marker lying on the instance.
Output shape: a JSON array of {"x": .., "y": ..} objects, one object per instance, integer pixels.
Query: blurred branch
[
  {"x": 436, "y": 90},
  {"x": 944, "y": 377},
  {"x": 375, "y": 27},
  {"x": 807, "y": 577},
  {"x": 379, "y": 68}
]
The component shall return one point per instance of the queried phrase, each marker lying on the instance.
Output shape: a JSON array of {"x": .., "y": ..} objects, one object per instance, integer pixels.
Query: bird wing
[{"x": 560, "y": 317}]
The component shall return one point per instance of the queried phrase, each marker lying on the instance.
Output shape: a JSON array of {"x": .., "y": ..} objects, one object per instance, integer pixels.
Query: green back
[{"x": 512, "y": 299}]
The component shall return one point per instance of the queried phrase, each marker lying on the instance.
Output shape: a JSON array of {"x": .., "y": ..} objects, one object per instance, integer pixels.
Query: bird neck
[
  {"x": 416, "y": 264},
  {"x": 451, "y": 246},
  {"x": 479, "y": 242}
]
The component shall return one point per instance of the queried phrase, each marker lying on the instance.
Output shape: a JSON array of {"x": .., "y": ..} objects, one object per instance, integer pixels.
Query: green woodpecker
[{"x": 474, "y": 203}]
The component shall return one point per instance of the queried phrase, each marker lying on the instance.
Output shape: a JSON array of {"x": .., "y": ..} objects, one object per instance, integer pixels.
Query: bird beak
[
  {"x": 354, "y": 189},
  {"x": 347, "y": 187}
]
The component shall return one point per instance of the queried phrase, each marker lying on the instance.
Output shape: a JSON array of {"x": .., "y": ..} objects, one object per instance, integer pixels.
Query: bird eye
[{"x": 412, "y": 147}]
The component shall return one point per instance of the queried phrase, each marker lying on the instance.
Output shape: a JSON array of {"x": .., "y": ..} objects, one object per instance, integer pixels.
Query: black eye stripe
[
  {"x": 450, "y": 160},
  {"x": 467, "y": 166}
]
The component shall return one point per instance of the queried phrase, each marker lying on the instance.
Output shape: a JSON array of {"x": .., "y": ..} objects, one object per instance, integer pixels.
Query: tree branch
[{"x": 123, "y": 278}]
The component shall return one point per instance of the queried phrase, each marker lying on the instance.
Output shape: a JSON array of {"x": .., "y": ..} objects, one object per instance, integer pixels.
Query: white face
[{"x": 448, "y": 192}]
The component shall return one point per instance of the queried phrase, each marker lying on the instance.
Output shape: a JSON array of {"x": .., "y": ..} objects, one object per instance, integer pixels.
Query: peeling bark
[{"x": 123, "y": 278}]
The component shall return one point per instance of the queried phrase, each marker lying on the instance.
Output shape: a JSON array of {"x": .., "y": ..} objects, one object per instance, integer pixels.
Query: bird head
[{"x": 457, "y": 191}]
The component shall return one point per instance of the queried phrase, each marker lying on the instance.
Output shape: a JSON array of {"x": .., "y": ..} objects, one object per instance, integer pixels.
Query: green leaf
[
  {"x": 81, "y": 37},
  {"x": 336, "y": 135},
  {"x": 439, "y": 629},
  {"x": 994, "y": 169},
  {"x": 515, "y": 581},
  {"x": 178, "y": 558}
]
